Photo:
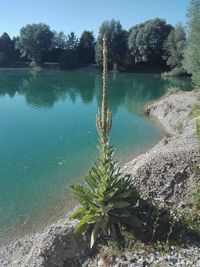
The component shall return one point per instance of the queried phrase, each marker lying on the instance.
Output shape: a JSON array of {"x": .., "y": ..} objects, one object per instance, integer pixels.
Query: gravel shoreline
[{"x": 166, "y": 172}]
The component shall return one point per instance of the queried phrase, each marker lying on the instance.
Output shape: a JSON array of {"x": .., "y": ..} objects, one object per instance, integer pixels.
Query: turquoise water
[{"x": 48, "y": 136}]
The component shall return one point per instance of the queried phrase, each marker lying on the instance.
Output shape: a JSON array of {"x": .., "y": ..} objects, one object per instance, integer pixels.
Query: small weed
[
  {"x": 158, "y": 209},
  {"x": 179, "y": 127},
  {"x": 173, "y": 90},
  {"x": 195, "y": 111},
  {"x": 193, "y": 221},
  {"x": 197, "y": 198},
  {"x": 175, "y": 218},
  {"x": 113, "y": 249}
]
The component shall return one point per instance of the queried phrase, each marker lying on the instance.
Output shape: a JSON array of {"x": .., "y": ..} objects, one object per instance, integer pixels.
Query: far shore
[{"x": 91, "y": 67}]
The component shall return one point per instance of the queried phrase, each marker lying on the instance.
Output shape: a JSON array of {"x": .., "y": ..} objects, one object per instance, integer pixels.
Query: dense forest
[{"x": 148, "y": 46}]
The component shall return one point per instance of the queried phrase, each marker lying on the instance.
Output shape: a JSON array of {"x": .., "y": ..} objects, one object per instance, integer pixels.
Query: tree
[
  {"x": 5, "y": 44},
  {"x": 16, "y": 56},
  {"x": 59, "y": 44},
  {"x": 7, "y": 49},
  {"x": 34, "y": 40},
  {"x": 69, "y": 57},
  {"x": 86, "y": 48},
  {"x": 3, "y": 59},
  {"x": 146, "y": 41},
  {"x": 117, "y": 43},
  {"x": 192, "y": 51},
  {"x": 174, "y": 47},
  {"x": 72, "y": 41},
  {"x": 59, "y": 40}
]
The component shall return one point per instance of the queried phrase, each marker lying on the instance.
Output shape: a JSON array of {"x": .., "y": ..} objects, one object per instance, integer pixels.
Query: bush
[
  {"x": 176, "y": 72},
  {"x": 108, "y": 201},
  {"x": 196, "y": 79}
]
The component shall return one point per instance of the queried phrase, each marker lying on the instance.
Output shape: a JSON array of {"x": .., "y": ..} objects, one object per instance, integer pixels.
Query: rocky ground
[
  {"x": 166, "y": 172},
  {"x": 187, "y": 257}
]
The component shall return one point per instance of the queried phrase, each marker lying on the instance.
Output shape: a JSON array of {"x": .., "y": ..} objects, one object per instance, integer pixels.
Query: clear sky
[{"x": 79, "y": 15}]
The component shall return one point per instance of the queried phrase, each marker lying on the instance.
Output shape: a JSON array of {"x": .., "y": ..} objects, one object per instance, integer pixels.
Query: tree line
[{"x": 153, "y": 43}]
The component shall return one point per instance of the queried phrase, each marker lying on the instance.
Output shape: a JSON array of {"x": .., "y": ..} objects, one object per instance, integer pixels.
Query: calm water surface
[{"x": 48, "y": 136}]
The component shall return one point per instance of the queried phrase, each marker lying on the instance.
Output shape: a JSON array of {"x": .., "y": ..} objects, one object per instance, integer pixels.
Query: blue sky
[{"x": 79, "y": 15}]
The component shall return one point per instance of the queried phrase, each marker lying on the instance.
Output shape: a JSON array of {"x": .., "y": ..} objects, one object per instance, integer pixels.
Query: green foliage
[
  {"x": 173, "y": 90},
  {"x": 6, "y": 45},
  {"x": 197, "y": 197},
  {"x": 108, "y": 202},
  {"x": 3, "y": 59},
  {"x": 86, "y": 48},
  {"x": 193, "y": 221},
  {"x": 175, "y": 217},
  {"x": 34, "y": 41},
  {"x": 114, "y": 250},
  {"x": 117, "y": 43},
  {"x": 7, "y": 49},
  {"x": 197, "y": 108},
  {"x": 176, "y": 72},
  {"x": 195, "y": 113},
  {"x": 196, "y": 78},
  {"x": 192, "y": 51},
  {"x": 71, "y": 41},
  {"x": 69, "y": 59},
  {"x": 174, "y": 47},
  {"x": 146, "y": 41},
  {"x": 59, "y": 40}
]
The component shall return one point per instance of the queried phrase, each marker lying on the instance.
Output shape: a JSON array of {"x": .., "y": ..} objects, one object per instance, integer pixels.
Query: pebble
[{"x": 130, "y": 256}]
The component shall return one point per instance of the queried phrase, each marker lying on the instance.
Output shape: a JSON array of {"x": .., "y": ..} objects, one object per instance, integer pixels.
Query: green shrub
[
  {"x": 176, "y": 72},
  {"x": 108, "y": 202},
  {"x": 196, "y": 79},
  {"x": 195, "y": 113}
]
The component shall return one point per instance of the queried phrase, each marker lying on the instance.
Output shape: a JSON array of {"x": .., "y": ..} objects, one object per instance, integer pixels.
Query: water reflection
[{"x": 43, "y": 88}]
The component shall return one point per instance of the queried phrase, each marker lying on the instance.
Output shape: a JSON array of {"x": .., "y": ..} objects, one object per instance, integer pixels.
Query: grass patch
[
  {"x": 173, "y": 90},
  {"x": 195, "y": 110},
  {"x": 197, "y": 197},
  {"x": 179, "y": 127}
]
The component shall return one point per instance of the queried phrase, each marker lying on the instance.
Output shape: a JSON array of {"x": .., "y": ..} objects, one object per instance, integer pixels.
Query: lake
[{"x": 48, "y": 136}]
